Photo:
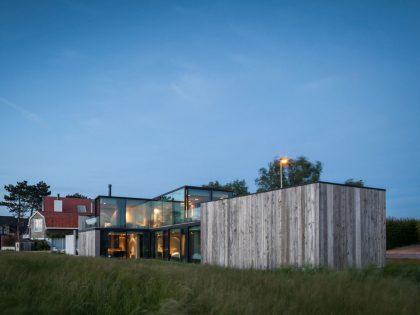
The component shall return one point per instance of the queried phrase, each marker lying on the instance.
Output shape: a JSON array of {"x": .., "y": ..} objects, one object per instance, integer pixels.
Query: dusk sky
[{"x": 152, "y": 95}]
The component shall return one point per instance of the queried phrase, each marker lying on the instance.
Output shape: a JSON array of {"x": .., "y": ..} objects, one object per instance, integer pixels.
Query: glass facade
[
  {"x": 136, "y": 214},
  {"x": 195, "y": 198},
  {"x": 166, "y": 227}
]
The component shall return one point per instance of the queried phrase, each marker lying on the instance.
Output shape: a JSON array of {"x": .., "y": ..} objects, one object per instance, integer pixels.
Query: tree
[
  {"x": 298, "y": 171},
  {"x": 36, "y": 192},
  {"x": 77, "y": 195},
  {"x": 18, "y": 201},
  {"x": 355, "y": 183},
  {"x": 239, "y": 187}
]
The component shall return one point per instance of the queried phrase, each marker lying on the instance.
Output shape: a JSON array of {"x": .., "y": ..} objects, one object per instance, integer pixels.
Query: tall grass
[{"x": 43, "y": 283}]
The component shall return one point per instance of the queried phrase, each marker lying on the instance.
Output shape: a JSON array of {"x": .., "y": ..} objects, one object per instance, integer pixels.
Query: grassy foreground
[{"x": 43, "y": 283}]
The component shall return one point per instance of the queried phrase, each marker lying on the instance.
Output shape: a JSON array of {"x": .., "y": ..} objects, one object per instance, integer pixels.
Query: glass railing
[{"x": 86, "y": 222}]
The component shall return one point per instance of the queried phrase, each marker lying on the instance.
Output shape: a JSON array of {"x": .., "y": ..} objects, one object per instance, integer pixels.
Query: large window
[
  {"x": 177, "y": 199},
  {"x": 117, "y": 244},
  {"x": 38, "y": 225},
  {"x": 175, "y": 245},
  {"x": 159, "y": 245},
  {"x": 194, "y": 244},
  {"x": 195, "y": 197},
  {"x": 136, "y": 214},
  {"x": 112, "y": 212}
]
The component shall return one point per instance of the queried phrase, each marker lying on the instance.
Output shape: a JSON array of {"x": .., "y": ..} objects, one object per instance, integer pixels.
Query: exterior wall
[
  {"x": 32, "y": 233},
  {"x": 89, "y": 243},
  {"x": 352, "y": 226},
  {"x": 317, "y": 224}
]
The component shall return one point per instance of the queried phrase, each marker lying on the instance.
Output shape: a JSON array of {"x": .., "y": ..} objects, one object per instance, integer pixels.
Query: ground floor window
[
  {"x": 194, "y": 244},
  {"x": 117, "y": 244},
  {"x": 159, "y": 245},
  {"x": 175, "y": 245}
]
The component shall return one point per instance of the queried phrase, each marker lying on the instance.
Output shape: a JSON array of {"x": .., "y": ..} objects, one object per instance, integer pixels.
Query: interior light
[{"x": 196, "y": 199}]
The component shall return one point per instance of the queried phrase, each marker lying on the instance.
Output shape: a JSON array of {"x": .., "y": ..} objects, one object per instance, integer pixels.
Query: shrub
[
  {"x": 401, "y": 232},
  {"x": 41, "y": 245}
]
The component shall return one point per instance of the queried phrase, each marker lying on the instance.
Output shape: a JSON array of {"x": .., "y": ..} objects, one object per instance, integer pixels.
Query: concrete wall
[
  {"x": 319, "y": 224},
  {"x": 89, "y": 243}
]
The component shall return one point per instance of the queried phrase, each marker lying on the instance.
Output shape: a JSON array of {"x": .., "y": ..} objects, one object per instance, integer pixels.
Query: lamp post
[{"x": 283, "y": 161}]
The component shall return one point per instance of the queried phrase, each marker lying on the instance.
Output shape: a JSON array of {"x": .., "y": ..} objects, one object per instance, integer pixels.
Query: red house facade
[{"x": 58, "y": 216}]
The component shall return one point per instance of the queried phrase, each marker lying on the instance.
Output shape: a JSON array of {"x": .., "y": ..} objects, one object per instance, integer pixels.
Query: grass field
[{"x": 43, "y": 283}]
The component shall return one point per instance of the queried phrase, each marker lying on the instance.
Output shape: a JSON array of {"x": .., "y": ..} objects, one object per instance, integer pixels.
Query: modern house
[
  {"x": 165, "y": 227},
  {"x": 59, "y": 217},
  {"x": 319, "y": 224}
]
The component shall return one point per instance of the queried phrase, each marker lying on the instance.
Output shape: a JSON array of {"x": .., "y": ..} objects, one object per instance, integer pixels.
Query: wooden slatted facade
[{"x": 319, "y": 224}]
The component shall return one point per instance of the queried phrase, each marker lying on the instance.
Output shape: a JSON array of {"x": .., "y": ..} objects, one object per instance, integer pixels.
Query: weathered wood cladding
[
  {"x": 318, "y": 225},
  {"x": 88, "y": 243}
]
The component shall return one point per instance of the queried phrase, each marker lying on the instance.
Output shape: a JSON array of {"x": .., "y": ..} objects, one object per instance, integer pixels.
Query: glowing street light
[{"x": 283, "y": 161}]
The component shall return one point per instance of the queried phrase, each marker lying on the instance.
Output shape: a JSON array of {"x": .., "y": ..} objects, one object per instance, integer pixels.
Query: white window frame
[{"x": 38, "y": 225}]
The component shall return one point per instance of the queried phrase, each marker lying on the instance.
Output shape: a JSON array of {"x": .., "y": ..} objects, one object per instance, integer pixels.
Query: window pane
[
  {"x": 195, "y": 198},
  {"x": 217, "y": 195},
  {"x": 175, "y": 245},
  {"x": 156, "y": 213},
  {"x": 81, "y": 209},
  {"x": 159, "y": 245},
  {"x": 136, "y": 214},
  {"x": 194, "y": 244},
  {"x": 108, "y": 212},
  {"x": 116, "y": 244},
  {"x": 112, "y": 212}
]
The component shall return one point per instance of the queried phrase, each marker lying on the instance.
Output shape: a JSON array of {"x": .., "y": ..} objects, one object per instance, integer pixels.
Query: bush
[
  {"x": 41, "y": 245},
  {"x": 401, "y": 232}
]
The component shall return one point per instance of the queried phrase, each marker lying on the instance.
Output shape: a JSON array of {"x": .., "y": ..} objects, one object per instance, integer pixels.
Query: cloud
[{"x": 26, "y": 114}]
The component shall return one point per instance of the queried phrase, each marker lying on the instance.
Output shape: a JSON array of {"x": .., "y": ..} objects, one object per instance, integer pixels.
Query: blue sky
[{"x": 151, "y": 95}]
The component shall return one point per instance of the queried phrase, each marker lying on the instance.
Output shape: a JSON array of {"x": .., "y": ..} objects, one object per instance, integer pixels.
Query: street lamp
[{"x": 283, "y": 161}]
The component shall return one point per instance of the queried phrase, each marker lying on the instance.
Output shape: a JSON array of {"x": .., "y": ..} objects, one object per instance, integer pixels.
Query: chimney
[
  {"x": 109, "y": 190},
  {"x": 58, "y": 196}
]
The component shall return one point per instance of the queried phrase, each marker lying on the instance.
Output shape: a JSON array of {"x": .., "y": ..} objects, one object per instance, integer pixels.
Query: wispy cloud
[{"x": 26, "y": 114}]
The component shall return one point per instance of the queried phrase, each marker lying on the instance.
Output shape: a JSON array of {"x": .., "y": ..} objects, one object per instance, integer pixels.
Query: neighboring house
[
  {"x": 8, "y": 225},
  {"x": 59, "y": 217}
]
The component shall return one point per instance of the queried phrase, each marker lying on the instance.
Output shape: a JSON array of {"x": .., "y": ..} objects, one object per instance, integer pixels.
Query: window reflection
[{"x": 195, "y": 198}]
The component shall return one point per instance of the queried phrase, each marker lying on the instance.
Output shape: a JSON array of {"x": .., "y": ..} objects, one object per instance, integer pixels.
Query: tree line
[{"x": 298, "y": 171}]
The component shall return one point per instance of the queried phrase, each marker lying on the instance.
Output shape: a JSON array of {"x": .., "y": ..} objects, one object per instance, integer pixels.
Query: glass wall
[
  {"x": 194, "y": 244},
  {"x": 112, "y": 212},
  {"x": 136, "y": 214},
  {"x": 194, "y": 199}
]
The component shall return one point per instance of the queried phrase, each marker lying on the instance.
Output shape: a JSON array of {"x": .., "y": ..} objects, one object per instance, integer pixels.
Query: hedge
[{"x": 401, "y": 232}]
